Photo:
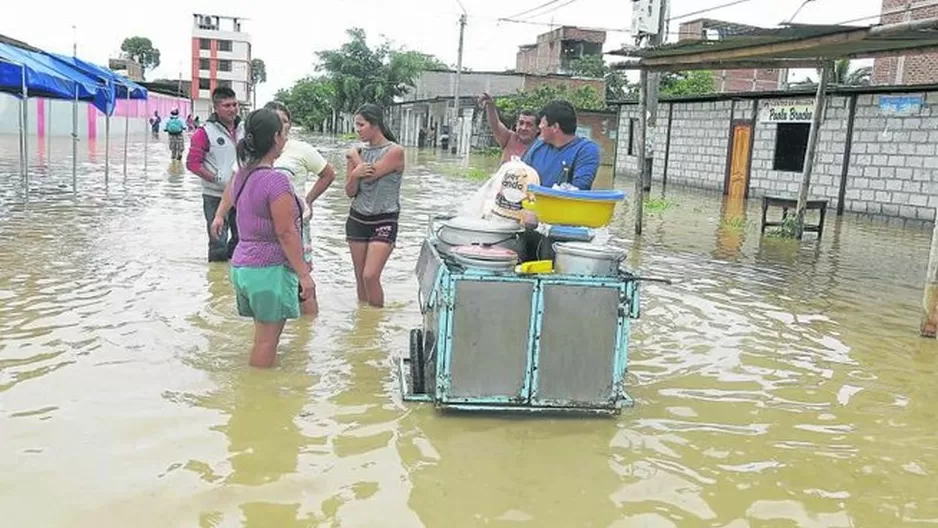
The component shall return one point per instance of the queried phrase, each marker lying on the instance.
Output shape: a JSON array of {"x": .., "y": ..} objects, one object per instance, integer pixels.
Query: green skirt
[{"x": 269, "y": 294}]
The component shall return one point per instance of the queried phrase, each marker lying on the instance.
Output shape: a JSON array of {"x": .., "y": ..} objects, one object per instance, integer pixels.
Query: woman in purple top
[{"x": 267, "y": 268}]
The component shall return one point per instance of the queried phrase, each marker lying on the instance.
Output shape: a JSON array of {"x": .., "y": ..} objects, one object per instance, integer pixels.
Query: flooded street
[{"x": 776, "y": 383}]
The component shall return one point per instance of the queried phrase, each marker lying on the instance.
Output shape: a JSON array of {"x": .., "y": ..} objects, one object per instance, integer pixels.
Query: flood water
[{"x": 776, "y": 383}]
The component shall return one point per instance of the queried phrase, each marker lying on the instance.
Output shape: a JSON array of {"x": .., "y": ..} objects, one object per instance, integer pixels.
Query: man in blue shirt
[{"x": 559, "y": 156}]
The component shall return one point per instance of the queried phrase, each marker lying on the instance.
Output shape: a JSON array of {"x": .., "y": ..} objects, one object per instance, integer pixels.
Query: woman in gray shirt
[{"x": 374, "y": 175}]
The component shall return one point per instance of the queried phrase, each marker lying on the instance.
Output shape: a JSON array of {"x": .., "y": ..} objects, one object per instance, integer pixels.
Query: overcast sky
[{"x": 286, "y": 38}]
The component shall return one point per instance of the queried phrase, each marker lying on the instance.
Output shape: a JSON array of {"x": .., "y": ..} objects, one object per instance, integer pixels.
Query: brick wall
[
  {"x": 572, "y": 83},
  {"x": 729, "y": 81},
  {"x": 893, "y": 169},
  {"x": 916, "y": 68}
]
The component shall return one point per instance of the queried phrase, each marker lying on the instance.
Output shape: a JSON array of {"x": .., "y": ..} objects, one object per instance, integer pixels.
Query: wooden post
[
  {"x": 640, "y": 155},
  {"x": 819, "y": 103},
  {"x": 930, "y": 299}
]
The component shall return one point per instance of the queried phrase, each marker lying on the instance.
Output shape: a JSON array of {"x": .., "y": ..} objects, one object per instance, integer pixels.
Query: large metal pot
[
  {"x": 579, "y": 258},
  {"x": 468, "y": 231},
  {"x": 485, "y": 259}
]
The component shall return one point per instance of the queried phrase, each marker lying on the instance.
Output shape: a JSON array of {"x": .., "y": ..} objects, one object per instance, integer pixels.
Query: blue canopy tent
[
  {"x": 120, "y": 88},
  {"x": 26, "y": 73}
]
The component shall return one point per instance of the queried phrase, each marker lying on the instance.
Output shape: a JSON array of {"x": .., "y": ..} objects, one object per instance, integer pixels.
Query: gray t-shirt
[{"x": 379, "y": 196}]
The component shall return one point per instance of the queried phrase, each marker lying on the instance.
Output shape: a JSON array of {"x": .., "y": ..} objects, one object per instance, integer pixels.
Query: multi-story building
[
  {"x": 920, "y": 68},
  {"x": 729, "y": 81},
  {"x": 221, "y": 56},
  {"x": 556, "y": 50}
]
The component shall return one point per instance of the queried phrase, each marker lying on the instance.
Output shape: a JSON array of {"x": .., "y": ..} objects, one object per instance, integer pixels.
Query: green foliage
[
  {"x": 360, "y": 74},
  {"x": 658, "y": 205},
  {"x": 583, "y": 98},
  {"x": 310, "y": 100},
  {"x": 594, "y": 66},
  {"x": 141, "y": 51},
  {"x": 786, "y": 230},
  {"x": 258, "y": 72},
  {"x": 687, "y": 83}
]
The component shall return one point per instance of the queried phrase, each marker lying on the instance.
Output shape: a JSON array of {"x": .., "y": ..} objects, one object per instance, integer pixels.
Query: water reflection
[{"x": 776, "y": 382}]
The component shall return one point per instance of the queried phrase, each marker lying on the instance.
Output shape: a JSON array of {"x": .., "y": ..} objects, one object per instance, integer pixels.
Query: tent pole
[
  {"x": 49, "y": 136},
  {"x": 75, "y": 143},
  {"x": 24, "y": 130},
  {"x": 146, "y": 130},
  {"x": 126, "y": 130},
  {"x": 107, "y": 145}
]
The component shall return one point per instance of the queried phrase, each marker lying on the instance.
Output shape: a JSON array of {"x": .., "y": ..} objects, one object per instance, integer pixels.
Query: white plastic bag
[{"x": 502, "y": 194}]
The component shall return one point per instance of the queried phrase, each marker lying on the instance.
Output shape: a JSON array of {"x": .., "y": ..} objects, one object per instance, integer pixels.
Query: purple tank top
[{"x": 255, "y": 191}]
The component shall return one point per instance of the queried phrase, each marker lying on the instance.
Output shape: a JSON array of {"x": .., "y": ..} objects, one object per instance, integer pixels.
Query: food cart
[{"x": 498, "y": 338}]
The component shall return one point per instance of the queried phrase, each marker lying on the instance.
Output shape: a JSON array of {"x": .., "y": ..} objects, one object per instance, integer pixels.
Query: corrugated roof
[{"x": 795, "y": 42}]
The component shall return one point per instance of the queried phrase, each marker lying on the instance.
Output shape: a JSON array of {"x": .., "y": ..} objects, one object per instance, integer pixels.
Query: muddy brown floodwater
[{"x": 776, "y": 383}]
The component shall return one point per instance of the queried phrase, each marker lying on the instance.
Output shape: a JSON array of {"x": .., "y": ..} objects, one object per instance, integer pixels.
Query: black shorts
[{"x": 371, "y": 228}]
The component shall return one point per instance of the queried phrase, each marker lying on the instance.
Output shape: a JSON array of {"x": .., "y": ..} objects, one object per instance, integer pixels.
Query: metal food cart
[{"x": 494, "y": 341}]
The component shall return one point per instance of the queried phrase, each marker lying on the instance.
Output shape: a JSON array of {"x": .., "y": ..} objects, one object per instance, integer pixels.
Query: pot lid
[
  {"x": 585, "y": 249},
  {"x": 491, "y": 253},
  {"x": 469, "y": 223}
]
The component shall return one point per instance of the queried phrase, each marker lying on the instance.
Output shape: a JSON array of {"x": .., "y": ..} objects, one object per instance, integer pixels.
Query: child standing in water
[{"x": 375, "y": 171}]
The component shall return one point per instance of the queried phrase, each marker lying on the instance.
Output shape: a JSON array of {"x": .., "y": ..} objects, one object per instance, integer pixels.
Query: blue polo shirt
[{"x": 575, "y": 163}]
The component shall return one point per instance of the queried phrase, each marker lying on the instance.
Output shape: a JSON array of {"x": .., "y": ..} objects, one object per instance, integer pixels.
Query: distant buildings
[
  {"x": 556, "y": 50},
  {"x": 221, "y": 56},
  {"x": 919, "y": 68},
  {"x": 126, "y": 67},
  {"x": 731, "y": 81}
]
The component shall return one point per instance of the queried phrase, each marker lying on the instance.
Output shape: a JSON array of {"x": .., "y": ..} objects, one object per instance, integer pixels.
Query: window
[
  {"x": 224, "y": 65},
  {"x": 205, "y": 44},
  {"x": 224, "y": 45},
  {"x": 791, "y": 142},
  {"x": 205, "y": 84},
  {"x": 204, "y": 64},
  {"x": 223, "y": 83}
]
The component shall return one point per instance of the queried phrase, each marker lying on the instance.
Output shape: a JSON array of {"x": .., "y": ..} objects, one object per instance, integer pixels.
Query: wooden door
[{"x": 738, "y": 181}]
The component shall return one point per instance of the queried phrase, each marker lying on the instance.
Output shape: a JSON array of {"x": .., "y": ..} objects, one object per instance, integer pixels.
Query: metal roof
[{"x": 795, "y": 46}]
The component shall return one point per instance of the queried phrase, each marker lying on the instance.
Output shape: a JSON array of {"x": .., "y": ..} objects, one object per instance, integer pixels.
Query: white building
[{"x": 221, "y": 56}]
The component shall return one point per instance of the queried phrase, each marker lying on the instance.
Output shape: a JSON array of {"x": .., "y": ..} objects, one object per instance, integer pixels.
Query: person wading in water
[{"x": 375, "y": 171}]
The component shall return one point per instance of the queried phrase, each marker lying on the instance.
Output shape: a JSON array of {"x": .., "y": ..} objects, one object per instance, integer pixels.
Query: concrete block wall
[
  {"x": 828, "y": 163},
  {"x": 699, "y": 139},
  {"x": 894, "y": 161}
]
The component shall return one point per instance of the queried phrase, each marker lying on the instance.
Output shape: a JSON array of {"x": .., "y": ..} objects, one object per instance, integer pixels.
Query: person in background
[
  {"x": 212, "y": 157},
  {"x": 300, "y": 161},
  {"x": 513, "y": 143},
  {"x": 374, "y": 171},
  {"x": 190, "y": 124},
  {"x": 560, "y": 157},
  {"x": 155, "y": 124},
  {"x": 175, "y": 128},
  {"x": 267, "y": 270},
  {"x": 197, "y": 122}
]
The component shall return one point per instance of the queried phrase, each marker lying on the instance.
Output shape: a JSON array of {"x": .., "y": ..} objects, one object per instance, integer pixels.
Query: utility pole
[
  {"x": 455, "y": 116},
  {"x": 648, "y": 110},
  {"x": 654, "y": 85}
]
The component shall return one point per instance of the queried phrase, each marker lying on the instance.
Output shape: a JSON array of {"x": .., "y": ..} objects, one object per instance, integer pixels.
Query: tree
[
  {"x": 141, "y": 51},
  {"x": 258, "y": 76},
  {"x": 687, "y": 83},
  {"x": 843, "y": 74},
  {"x": 594, "y": 66},
  {"x": 360, "y": 74},
  {"x": 310, "y": 100},
  {"x": 583, "y": 98}
]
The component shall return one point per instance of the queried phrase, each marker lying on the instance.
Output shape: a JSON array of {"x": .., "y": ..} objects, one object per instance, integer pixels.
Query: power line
[
  {"x": 551, "y": 10},
  {"x": 893, "y": 12},
  {"x": 797, "y": 11},
  {"x": 707, "y": 10},
  {"x": 546, "y": 4}
]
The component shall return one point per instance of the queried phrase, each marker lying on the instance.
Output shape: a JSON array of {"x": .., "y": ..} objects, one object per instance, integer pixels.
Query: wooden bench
[{"x": 792, "y": 203}]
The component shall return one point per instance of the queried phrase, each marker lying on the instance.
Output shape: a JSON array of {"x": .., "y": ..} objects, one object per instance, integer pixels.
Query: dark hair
[
  {"x": 562, "y": 113},
  {"x": 526, "y": 112},
  {"x": 277, "y": 106},
  {"x": 374, "y": 115},
  {"x": 221, "y": 93},
  {"x": 260, "y": 132}
]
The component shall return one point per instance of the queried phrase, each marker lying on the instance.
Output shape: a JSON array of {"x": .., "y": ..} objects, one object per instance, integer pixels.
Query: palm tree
[{"x": 842, "y": 74}]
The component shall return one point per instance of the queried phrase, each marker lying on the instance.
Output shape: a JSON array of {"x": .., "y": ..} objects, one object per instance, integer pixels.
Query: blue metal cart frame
[{"x": 510, "y": 342}]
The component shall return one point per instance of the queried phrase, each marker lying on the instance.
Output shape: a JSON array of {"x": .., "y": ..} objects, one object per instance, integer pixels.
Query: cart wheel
[{"x": 416, "y": 361}]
